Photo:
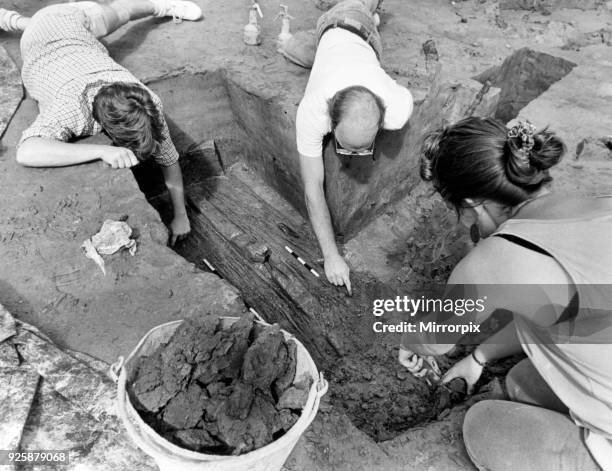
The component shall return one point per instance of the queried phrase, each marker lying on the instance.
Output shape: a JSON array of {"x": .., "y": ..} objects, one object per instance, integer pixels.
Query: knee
[
  {"x": 477, "y": 432},
  {"x": 515, "y": 379}
]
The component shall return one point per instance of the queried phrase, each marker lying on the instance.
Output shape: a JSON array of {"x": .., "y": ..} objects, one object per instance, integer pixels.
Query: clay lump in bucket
[{"x": 221, "y": 391}]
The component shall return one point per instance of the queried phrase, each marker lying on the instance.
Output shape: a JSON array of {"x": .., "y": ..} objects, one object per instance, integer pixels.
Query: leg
[
  {"x": 12, "y": 21},
  {"x": 105, "y": 19},
  {"x": 524, "y": 384},
  {"x": 300, "y": 48},
  {"x": 506, "y": 436}
]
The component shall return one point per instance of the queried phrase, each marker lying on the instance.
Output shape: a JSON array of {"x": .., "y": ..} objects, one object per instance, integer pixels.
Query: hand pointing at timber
[{"x": 337, "y": 272}]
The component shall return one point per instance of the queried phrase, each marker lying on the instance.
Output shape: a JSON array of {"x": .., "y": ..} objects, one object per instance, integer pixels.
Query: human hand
[
  {"x": 119, "y": 157},
  {"x": 419, "y": 366},
  {"x": 468, "y": 369},
  {"x": 179, "y": 228},
  {"x": 337, "y": 272}
]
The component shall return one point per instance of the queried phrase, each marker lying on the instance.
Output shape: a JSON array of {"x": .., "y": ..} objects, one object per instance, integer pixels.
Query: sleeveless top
[{"x": 574, "y": 356}]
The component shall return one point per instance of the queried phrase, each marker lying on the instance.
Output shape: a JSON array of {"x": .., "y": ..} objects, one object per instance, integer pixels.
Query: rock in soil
[{"x": 221, "y": 391}]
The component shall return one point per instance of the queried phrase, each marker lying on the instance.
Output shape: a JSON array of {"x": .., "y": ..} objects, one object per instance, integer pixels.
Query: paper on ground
[{"x": 114, "y": 236}]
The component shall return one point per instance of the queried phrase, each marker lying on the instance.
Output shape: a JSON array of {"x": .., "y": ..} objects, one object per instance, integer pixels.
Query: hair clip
[{"x": 525, "y": 131}]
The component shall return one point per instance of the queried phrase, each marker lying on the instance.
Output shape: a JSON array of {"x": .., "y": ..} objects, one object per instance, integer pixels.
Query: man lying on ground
[
  {"x": 81, "y": 91},
  {"x": 350, "y": 95}
]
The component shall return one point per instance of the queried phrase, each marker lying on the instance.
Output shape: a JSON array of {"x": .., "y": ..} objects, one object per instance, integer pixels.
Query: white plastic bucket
[{"x": 170, "y": 457}]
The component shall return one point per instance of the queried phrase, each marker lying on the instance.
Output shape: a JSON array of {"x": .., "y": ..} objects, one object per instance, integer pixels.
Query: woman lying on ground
[{"x": 547, "y": 258}]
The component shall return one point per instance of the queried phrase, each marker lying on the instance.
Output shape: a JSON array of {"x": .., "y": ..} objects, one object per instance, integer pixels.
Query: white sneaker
[
  {"x": 8, "y": 20},
  {"x": 179, "y": 10}
]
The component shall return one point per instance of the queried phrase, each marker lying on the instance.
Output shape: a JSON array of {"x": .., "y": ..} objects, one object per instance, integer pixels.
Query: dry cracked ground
[{"x": 215, "y": 87}]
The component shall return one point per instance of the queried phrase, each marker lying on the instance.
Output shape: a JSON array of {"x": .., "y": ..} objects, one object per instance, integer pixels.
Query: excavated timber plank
[
  {"x": 245, "y": 238},
  {"x": 336, "y": 329},
  {"x": 226, "y": 247}
]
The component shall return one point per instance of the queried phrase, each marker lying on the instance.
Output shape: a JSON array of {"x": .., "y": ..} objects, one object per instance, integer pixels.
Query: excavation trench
[{"x": 245, "y": 203}]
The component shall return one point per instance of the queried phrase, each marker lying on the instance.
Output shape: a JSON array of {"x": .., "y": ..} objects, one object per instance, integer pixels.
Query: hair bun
[
  {"x": 547, "y": 150},
  {"x": 530, "y": 157}
]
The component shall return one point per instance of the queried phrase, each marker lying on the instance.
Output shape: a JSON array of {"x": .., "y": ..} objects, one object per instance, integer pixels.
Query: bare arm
[
  {"x": 174, "y": 182},
  {"x": 458, "y": 292},
  {"x": 313, "y": 176},
  {"x": 43, "y": 152},
  {"x": 500, "y": 345},
  {"x": 518, "y": 289}
]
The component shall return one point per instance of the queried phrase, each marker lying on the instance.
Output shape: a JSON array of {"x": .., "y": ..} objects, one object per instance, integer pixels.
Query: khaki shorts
[{"x": 92, "y": 14}]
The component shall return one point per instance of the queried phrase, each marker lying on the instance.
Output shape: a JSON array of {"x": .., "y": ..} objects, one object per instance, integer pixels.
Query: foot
[
  {"x": 300, "y": 48},
  {"x": 9, "y": 20},
  {"x": 179, "y": 10}
]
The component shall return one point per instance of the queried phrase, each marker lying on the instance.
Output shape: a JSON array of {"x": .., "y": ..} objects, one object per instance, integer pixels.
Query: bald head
[{"x": 357, "y": 114}]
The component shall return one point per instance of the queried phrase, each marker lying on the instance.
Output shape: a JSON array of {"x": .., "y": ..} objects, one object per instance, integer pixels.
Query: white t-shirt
[{"x": 344, "y": 60}]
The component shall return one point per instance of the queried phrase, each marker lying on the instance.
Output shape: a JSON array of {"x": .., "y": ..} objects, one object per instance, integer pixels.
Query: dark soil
[{"x": 221, "y": 391}]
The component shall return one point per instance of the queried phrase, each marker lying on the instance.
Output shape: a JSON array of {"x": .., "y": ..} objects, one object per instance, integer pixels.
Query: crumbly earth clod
[{"x": 221, "y": 391}]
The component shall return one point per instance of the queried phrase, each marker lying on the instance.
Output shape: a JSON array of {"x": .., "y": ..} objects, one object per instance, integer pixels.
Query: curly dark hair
[{"x": 130, "y": 117}]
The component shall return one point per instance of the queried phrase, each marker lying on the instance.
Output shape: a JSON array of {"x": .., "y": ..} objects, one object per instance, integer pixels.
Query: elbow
[
  {"x": 22, "y": 157},
  {"x": 25, "y": 155}
]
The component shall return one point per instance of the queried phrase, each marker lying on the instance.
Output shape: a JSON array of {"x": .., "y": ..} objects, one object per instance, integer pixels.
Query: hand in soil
[
  {"x": 179, "y": 228},
  {"x": 337, "y": 272},
  {"x": 420, "y": 366},
  {"x": 467, "y": 369}
]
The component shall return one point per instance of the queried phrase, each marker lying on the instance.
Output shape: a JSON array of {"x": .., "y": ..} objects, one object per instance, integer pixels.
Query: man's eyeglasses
[{"x": 369, "y": 152}]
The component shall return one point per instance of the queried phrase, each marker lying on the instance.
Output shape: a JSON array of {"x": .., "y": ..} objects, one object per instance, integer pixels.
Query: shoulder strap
[{"x": 523, "y": 243}]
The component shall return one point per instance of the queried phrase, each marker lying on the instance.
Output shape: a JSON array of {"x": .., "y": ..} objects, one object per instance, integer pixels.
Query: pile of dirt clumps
[{"x": 221, "y": 391}]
